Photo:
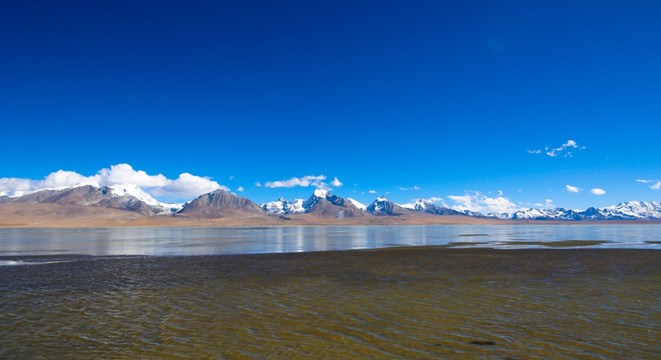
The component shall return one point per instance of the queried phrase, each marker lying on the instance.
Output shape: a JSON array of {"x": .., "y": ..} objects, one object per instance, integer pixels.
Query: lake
[
  {"x": 176, "y": 241},
  {"x": 402, "y": 292}
]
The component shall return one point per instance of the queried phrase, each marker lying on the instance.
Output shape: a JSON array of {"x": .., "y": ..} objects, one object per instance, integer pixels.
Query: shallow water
[
  {"x": 250, "y": 240},
  {"x": 389, "y": 304},
  {"x": 483, "y": 292}
]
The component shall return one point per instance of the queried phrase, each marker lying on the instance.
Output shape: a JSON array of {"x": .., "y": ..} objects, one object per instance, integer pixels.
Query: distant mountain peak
[
  {"x": 138, "y": 193},
  {"x": 428, "y": 206},
  {"x": 382, "y": 206},
  {"x": 219, "y": 203},
  {"x": 320, "y": 193}
]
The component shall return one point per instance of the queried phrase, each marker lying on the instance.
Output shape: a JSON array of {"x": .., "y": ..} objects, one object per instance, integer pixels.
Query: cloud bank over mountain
[
  {"x": 186, "y": 185},
  {"x": 477, "y": 202}
]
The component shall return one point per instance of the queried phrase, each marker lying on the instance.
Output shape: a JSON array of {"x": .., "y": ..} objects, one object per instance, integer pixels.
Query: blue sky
[{"x": 448, "y": 97}]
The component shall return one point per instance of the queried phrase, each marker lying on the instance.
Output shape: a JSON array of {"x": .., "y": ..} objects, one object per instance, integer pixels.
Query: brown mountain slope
[
  {"x": 384, "y": 207},
  {"x": 326, "y": 205},
  {"x": 85, "y": 196},
  {"x": 55, "y": 215},
  {"x": 219, "y": 204}
]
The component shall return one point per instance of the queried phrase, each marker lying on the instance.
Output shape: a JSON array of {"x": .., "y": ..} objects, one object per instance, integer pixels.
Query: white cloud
[
  {"x": 258, "y": 184},
  {"x": 124, "y": 174},
  {"x": 240, "y": 189},
  {"x": 477, "y": 202},
  {"x": 573, "y": 189},
  {"x": 16, "y": 186},
  {"x": 186, "y": 185},
  {"x": 499, "y": 205},
  {"x": 63, "y": 178},
  {"x": 372, "y": 191},
  {"x": 305, "y": 181},
  {"x": 655, "y": 186},
  {"x": 408, "y": 188},
  {"x": 336, "y": 182},
  {"x": 564, "y": 149},
  {"x": 464, "y": 202},
  {"x": 597, "y": 191}
]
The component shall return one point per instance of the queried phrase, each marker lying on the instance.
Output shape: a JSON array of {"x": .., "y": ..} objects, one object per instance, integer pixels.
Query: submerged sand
[{"x": 420, "y": 302}]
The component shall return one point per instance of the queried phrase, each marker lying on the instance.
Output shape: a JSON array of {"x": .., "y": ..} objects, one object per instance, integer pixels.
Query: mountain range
[
  {"x": 630, "y": 210},
  {"x": 320, "y": 207},
  {"x": 127, "y": 197}
]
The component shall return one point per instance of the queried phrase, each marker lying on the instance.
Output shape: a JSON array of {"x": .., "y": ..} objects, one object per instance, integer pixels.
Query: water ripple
[{"x": 406, "y": 303}]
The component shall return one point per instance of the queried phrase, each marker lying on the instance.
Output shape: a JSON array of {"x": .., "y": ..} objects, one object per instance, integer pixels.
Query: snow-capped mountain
[
  {"x": 321, "y": 203},
  {"x": 541, "y": 214},
  {"x": 428, "y": 206},
  {"x": 634, "y": 210},
  {"x": 317, "y": 196},
  {"x": 138, "y": 193},
  {"x": 324, "y": 204},
  {"x": 418, "y": 205},
  {"x": 384, "y": 207},
  {"x": 124, "y": 198},
  {"x": 283, "y": 207},
  {"x": 115, "y": 196},
  {"x": 630, "y": 210}
]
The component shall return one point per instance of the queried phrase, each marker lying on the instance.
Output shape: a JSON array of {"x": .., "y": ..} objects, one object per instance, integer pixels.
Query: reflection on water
[{"x": 240, "y": 240}]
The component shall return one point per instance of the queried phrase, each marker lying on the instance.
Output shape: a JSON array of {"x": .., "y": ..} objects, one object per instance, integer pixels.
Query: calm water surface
[
  {"x": 489, "y": 292},
  {"x": 249, "y": 240}
]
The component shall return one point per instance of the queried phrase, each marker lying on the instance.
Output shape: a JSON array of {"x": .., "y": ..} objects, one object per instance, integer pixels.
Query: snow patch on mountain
[
  {"x": 384, "y": 207},
  {"x": 381, "y": 204},
  {"x": 138, "y": 193},
  {"x": 418, "y": 205},
  {"x": 283, "y": 207},
  {"x": 320, "y": 193},
  {"x": 357, "y": 204}
]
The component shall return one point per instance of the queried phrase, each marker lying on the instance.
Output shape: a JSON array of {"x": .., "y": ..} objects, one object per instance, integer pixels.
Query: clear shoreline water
[
  {"x": 482, "y": 292},
  {"x": 404, "y": 303},
  {"x": 183, "y": 241}
]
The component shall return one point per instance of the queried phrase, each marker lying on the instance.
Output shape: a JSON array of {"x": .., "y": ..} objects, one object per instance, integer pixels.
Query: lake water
[
  {"x": 486, "y": 292},
  {"x": 164, "y": 241}
]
